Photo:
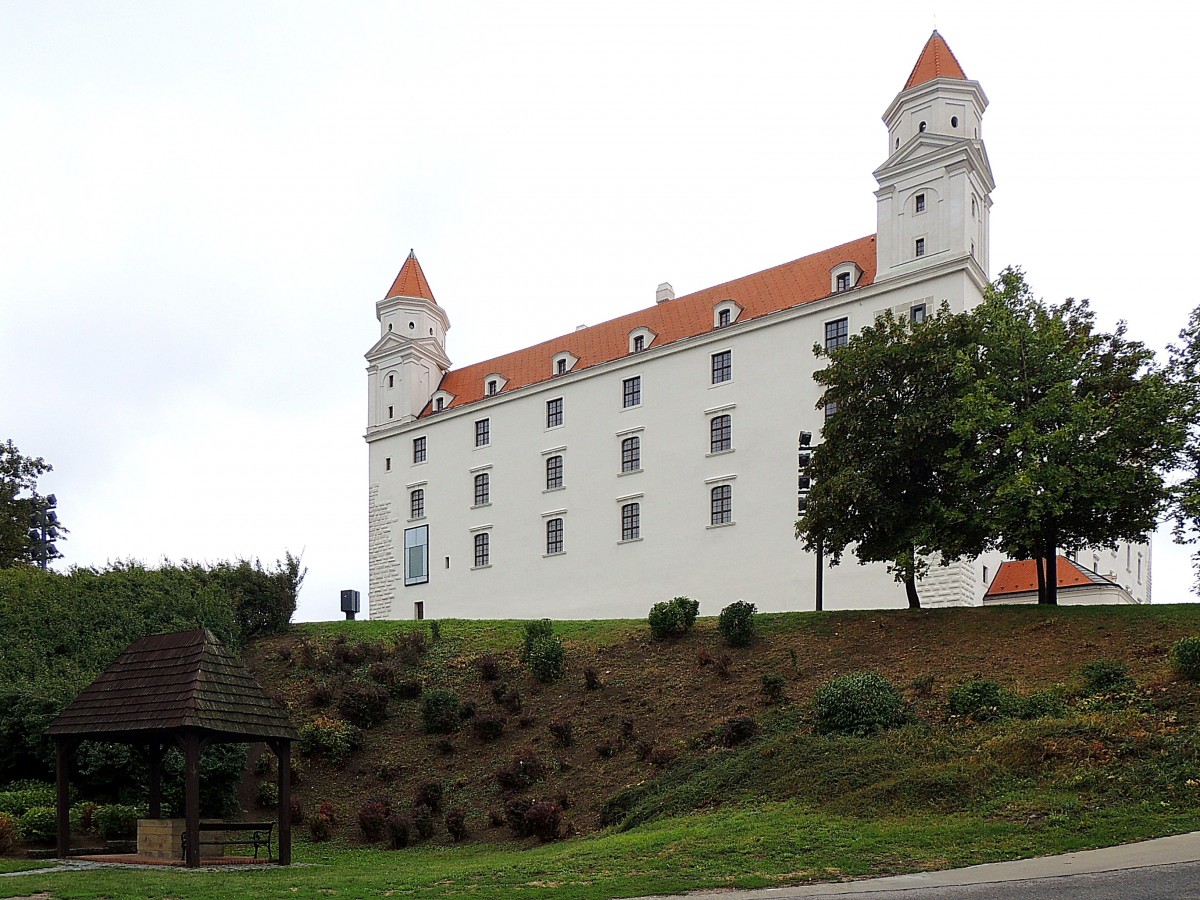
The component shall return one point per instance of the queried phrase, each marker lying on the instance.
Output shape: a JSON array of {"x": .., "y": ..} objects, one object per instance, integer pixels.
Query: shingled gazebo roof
[{"x": 167, "y": 682}]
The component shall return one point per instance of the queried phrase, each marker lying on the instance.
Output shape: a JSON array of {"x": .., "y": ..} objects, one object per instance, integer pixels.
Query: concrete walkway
[{"x": 1180, "y": 848}]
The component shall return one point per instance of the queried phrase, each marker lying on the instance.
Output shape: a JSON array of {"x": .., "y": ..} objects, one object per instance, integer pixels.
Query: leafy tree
[
  {"x": 19, "y": 500},
  {"x": 1064, "y": 434},
  {"x": 880, "y": 478},
  {"x": 1185, "y": 372}
]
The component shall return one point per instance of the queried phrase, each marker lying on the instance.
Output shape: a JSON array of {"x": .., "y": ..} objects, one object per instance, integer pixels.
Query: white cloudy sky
[{"x": 200, "y": 203}]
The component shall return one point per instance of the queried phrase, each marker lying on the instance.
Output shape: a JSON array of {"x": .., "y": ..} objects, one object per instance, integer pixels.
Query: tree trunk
[
  {"x": 910, "y": 587},
  {"x": 1041, "y": 573},
  {"x": 1052, "y": 570}
]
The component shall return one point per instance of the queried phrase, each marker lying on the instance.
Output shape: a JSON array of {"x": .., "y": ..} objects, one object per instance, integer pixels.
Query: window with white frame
[
  {"x": 483, "y": 549},
  {"x": 416, "y": 555},
  {"x": 554, "y": 472},
  {"x": 722, "y": 504},
  {"x": 554, "y": 412},
  {"x": 554, "y": 536},
  {"x": 917, "y": 314},
  {"x": 631, "y": 391},
  {"x": 483, "y": 489},
  {"x": 722, "y": 366},
  {"x": 639, "y": 343},
  {"x": 720, "y": 434},
  {"x": 419, "y": 450},
  {"x": 919, "y": 249},
  {"x": 724, "y": 317},
  {"x": 631, "y": 454},
  {"x": 416, "y": 504},
  {"x": 483, "y": 432},
  {"x": 560, "y": 367},
  {"x": 843, "y": 281},
  {"x": 631, "y": 521}
]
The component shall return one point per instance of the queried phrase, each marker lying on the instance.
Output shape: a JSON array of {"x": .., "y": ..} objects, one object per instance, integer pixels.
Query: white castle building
[{"x": 655, "y": 454}]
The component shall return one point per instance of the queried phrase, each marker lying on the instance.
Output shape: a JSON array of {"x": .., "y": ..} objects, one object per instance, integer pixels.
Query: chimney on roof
[{"x": 664, "y": 293}]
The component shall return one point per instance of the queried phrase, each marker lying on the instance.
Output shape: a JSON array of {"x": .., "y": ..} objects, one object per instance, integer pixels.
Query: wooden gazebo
[{"x": 185, "y": 689}]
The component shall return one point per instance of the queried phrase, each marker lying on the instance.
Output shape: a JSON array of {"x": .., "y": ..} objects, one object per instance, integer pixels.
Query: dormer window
[
  {"x": 563, "y": 362},
  {"x": 722, "y": 318},
  {"x": 439, "y": 404},
  {"x": 726, "y": 313},
  {"x": 441, "y": 400},
  {"x": 493, "y": 384},
  {"x": 641, "y": 338},
  {"x": 491, "y": 387},
  {"x": 919, "y": 203},
  {"x": 844, "y": 276}
]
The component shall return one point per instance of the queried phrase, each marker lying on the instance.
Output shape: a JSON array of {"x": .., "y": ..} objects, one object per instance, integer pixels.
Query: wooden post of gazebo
[
  {"x": 62, "y": 759},
  {"x": 191, "y": 797},
  {"x": 283, "y": 750}
]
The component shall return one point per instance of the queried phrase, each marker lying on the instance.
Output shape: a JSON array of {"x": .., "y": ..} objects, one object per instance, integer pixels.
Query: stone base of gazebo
[{"x": 161, "y": 838}]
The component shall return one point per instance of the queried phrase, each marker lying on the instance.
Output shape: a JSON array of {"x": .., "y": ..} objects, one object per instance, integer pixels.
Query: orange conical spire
[
  {"x": 935, "y": 61},
  {"x": 411, "y": 281}
]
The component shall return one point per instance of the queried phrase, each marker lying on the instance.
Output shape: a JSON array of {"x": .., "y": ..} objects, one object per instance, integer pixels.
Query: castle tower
[
  {"x": 408, "y": 361},
  {"x": 933, "y": 201}
]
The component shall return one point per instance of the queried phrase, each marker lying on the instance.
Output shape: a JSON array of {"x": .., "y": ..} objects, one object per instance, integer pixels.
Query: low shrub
[
  {"x": 982, "y": 700},
  {"x": 430, "y": 794},
  {"x": 606, "y": 750},
  {"x": 411, "y": 646},
  {"x": 591, "y": 679},
  {"x": 703, "y": 658},
  {"x": 296, "y": 810},
  {"x": 326, "y": 811},
  {"x": 736, "y": 730},
  {"x": 922, "y": 685},
  {"x": 423, "y": 821},
  {"x": 267, "y": 795},
  {"x": 736, "y": 623},
  {"x": 467, "y": 709},
  {"x": 534, "y": 630},
  {"x": 456, "y": 824},
  {"x": 1042, "y": 704},
  {"x": 488, "y": 729},
  {"x": 488, "y": 667},
  {"x": 544, "y": 819},
  {"x": 1106, "y": 676},
  {"x": 399, "y": 831},
  {"x": 83, "y": 817},
  {"x": 445, "y": 747},
  {"x": 1184, "y": 657},
  {"x": 23, "y": 795},
  {"x": 526, "y": 720},
  {"x": 515, "y": 807},
  {"x": 562, "y": 733},
  {"x": 373, "y": 818},
  {"x": 508, "y": 697},
  {"x": 8, "y": 833},
  {"x": 860, "y": 703},
  {"x": 546, "y": 658},
  {"x": 116, "y": 822},
  {"x": 662, "y": 755},
  {"x": 435, "y": 631},
  {"x": 332, "y": 739},
  {"x": 441, "y": 711},
  {"x": 364, "y": 704},
  {"x": 320, "y": 826},
  {"x": 38, "y": 824},
  {"x": 672, "y": 618},
  {"x": 386, "y": 672},
  {"x": 773, "y": 687},
  {"x": 720, "y": 665},
  {"x": 407, "y": 689},
  {"x": 526, "y": 769},
  {"x": 321, "y": 695}
]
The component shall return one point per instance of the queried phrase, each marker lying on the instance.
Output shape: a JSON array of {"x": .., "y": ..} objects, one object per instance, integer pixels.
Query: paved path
[{"x": 1162, "y": 868}]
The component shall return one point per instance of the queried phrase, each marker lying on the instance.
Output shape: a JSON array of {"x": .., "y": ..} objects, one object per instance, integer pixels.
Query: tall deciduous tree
[
  {"x": 1185, "y": 371},
  {"x": 18, "y": 502},
  {"x": 1066, "y": 434},
  {"x": 880, "y": 477}
]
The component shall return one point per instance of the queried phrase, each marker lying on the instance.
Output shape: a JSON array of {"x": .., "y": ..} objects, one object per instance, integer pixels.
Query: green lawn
[{"x": 748, "y": 846}]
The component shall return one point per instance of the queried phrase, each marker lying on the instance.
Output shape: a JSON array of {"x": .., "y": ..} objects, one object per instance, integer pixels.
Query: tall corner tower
[
  {"x": 407, "y": 363},
  {"x": 934, "y": 197}
]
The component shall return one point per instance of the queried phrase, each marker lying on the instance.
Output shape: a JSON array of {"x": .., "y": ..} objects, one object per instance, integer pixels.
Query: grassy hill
[{"x": 654, "y": 740}]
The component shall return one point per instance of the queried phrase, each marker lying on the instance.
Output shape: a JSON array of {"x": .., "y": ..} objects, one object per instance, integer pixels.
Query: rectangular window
[
  {"x": 722, "y": 504},
  {"x": 419, "y": 450},
  {"x": 843, "y": 281},
  {"x": 920, "y": 247},
  {"x": 722, "y": 366},
  {"x": 483, "y": 432},
  {"x": 390, "y": 414},
  {"x": 554, "y": 472},
  {"x": 631, "y": 521},
  {"x": 416, "y": 503},
  {"x": 721, "y": 434},
  {"x": 632, "y": 391},
  {"x": 491, "y": 387},
  {"x": 920, "y": 203},
  {"x": 639, "y": 343},
  {"x": 631, "y": 454},
  {"x": 917, "y": 314},
  {"x": 416, "y": 555},
  {"x": 387, "y": 464},
  {"x": 560, "y": 367},
  {"x": 837, "y": 333},
  {"x": 483, "y": 550},
  {"x": 419, "y": 610},
  {"x": 483, "y": 489},
  {"x": 554, "y": 412},
  {"x": 554, "y": 536},
  {"x": 440, "y": 404},
  {"x": 391, "y": 381},
  {"x": 723, "y": 318},
  {"x": 830, "y": 408}
]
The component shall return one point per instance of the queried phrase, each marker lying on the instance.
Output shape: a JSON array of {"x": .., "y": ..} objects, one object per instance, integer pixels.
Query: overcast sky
[{"x": 201, "y": 202}]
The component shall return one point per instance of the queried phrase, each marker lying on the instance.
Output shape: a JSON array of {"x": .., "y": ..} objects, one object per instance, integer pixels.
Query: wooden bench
[{"x": 259, "y": 835}]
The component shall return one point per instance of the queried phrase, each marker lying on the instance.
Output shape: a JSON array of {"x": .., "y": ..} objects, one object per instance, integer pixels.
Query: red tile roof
[
  {"x": 935, "y": 61},
  {"x": 411, "y": 281},
  {"x": 1020, "y": 576},
  {"x": 791, "y": 284}
]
